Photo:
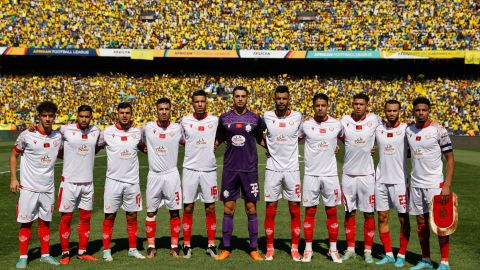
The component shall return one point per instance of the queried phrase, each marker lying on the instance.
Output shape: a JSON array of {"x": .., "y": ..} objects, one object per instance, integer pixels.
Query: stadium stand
[
  {"x": 259, "y": 25},
  {"x": 455, "y": 101}
]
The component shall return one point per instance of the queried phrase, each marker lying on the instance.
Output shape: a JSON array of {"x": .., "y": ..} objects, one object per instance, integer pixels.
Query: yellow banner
[
  {"x": 472, "y": 57},
  {"x": 8, "y": 127},
  {"x": 422, "y": 54},
  {"x": 202, "y": 53},
  {"x": 142, "y": 54}
]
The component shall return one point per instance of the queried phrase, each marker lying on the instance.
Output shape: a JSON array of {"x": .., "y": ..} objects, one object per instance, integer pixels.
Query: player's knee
[
  {"x": 151, "y": 214},
  {"x": 85, "y": 215},
  {"x": 188, "y": 208},
  {"x": 174, "y": 214},
  {"x": 382, "y": 217},
  {"x": 110, "y": 216},
  {"x": 132, "y": 215},
  {"x": 210, "y": 208}
]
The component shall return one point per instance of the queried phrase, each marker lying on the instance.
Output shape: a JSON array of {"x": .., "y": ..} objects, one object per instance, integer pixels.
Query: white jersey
[
  {"x": 392, "y": 149},
  {"x": 199, "y": 142},
  {"x": 320, "y": 144},
  {"x": 282, "y": 140},
  {"x": 122, "y": 146},
  {"x": 39, "y": 153},
  {"x": 359, "y": 140},
  {"x": 426, "y": 146},
  {"x": 162, "y": 144},
  {"x": 78, "y": 153}
]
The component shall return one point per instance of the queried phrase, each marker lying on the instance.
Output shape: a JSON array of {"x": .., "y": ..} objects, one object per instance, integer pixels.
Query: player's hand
[
  {"x": 32, "y": 127},
  {"x": 337, "y": 148},
  {"x": 215, "y": 145},
  {"x": 267, "y": 154},
  {"x": 14, "y": 185},
  {"x": 145, "y": 149},
  {"x": 373, "y": 150},
  {"x": 445, "y": 194}
]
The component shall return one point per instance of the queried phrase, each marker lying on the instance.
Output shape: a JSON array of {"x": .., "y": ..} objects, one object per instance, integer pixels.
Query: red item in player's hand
[{"x": 444, "y": 217}]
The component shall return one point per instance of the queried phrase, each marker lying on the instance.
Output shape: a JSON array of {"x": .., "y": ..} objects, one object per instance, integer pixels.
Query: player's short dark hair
[
  {"x": 124, "y": 105},
  {"x": 393, "y": 101},
  {"x": 199, "y": 93},
  {"x": 85, "y": 108},
  {"x": 47, "y": 107},
  {"x": 361, "y": 96},
  {"x": 282, "y": 89},
  {"x": 164, "y": 100},
  {"x": 318, "y": 96},
  {"x": 421, "y": 100},
  {"x": 239, "y": 87}
]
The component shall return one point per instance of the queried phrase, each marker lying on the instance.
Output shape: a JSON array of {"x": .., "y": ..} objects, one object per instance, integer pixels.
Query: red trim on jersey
[
  {"x": 427, "y": 124},
  {"x": 17, "y": 150},
  {"x": 78, "y": 126},
  {"x": 322, "y": 120},
  {"x": 158, "y": 124},
  {"x": 60, "y": 193},
  {"x": 361, "y": 119},
  {"x": 118, "y": 127},
  {"x": 286, "y": 114},
  {"x": 39, "y": 131},
  {"x": 394, "y": 126},
  {"x": 63, "y": 179},
  {"x": 206, "y": 114}
]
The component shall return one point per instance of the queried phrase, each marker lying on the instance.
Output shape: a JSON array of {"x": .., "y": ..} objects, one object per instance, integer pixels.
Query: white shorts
[
  {"x": 199, "y": 185},
  {"x": 388, "y": 196},
  {"x": 32, "y": 205},
  {"x": 120, "y": 194},
  {"x": 163, "y": 189},
  {"x": 75, "y": 195},
  {"x": 326, "y": 186},
  {"x": 420, "y": 198},
  {"x": 358, "y": 192},
  {"x": 282, "y": 184}
]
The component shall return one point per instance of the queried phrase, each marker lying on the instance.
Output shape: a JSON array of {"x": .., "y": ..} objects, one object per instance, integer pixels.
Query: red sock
[
  {"x": 270, "y": 214},
  {"x": 295, "y": 223},
  {"x": 350, "y": 229},
  {"x": 174, "y": 231},
  {"x": 369, "y": 232},
  {"x": 424, "y": 238},
  {"x": 44, "y": 236},
  {"x": 309, "y": 223},
  {"x": 404, "y": 236},
  {"x": 84, "y": 228},
  {"x": 107, "y": 232},
  {"x": 65, "y": 230},
  {"x": 332, "y": 223},
  {"x": 387, "y": 243},
  {"x": 24, "y": 235},
  {"x": 187, "y": 228},
  {"x": 211, "y": 224},
  {"x": 132, "y": 230},
  {"x": 444, "y": 242},
  {"x": 151, "y": 229}
]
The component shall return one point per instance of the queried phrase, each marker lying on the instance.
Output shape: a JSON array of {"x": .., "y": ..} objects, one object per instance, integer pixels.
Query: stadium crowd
[
  {"x": 259, "y": 25},
  {"x": 455, "y": 101}
]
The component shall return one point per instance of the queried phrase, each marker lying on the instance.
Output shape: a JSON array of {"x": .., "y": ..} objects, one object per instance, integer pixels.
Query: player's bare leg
[
  {"x": 384, "y": 231},
  {"x": 211, "y": 225},
  {"x": 187, "y": 220},
  {"x": 270, "y": 213},
  {"x": 368, "y": 234},
  {"x": 107, "y": 229},
  {"x": 251, "y": 211},
  {"x": 227, "y": 229},
  {"x": 295, "y": 224},
  {"x": 350, "y": 230}
]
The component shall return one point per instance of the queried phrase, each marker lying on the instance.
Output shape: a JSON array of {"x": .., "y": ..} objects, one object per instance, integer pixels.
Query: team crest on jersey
[
  {"x": 399, "y": 132},
  {"x": 134, "y": 136},
  {"x": 248, "y": 127},
  {"x": 172, "y": 134},
  {"x": 428, "y": 136},
  {"x": 210, "y": 126},
  {"x": 56, "y": 143},
  {"x": 369, "y": 124},
  {"x": 226, "y": 194},
  {"x": 291, "y": 123},
  {"x": 331, "y": 128}
]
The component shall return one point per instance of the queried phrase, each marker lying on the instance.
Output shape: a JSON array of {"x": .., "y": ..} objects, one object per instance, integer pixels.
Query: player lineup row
[{"x": 363, "y": 188}]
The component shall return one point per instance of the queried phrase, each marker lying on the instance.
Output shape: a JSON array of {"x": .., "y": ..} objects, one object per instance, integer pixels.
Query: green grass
[{"x": 464, "y": 248}]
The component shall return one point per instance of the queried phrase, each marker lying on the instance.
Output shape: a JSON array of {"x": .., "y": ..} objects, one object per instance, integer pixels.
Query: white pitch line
[{"x": 56, "y": 164}]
